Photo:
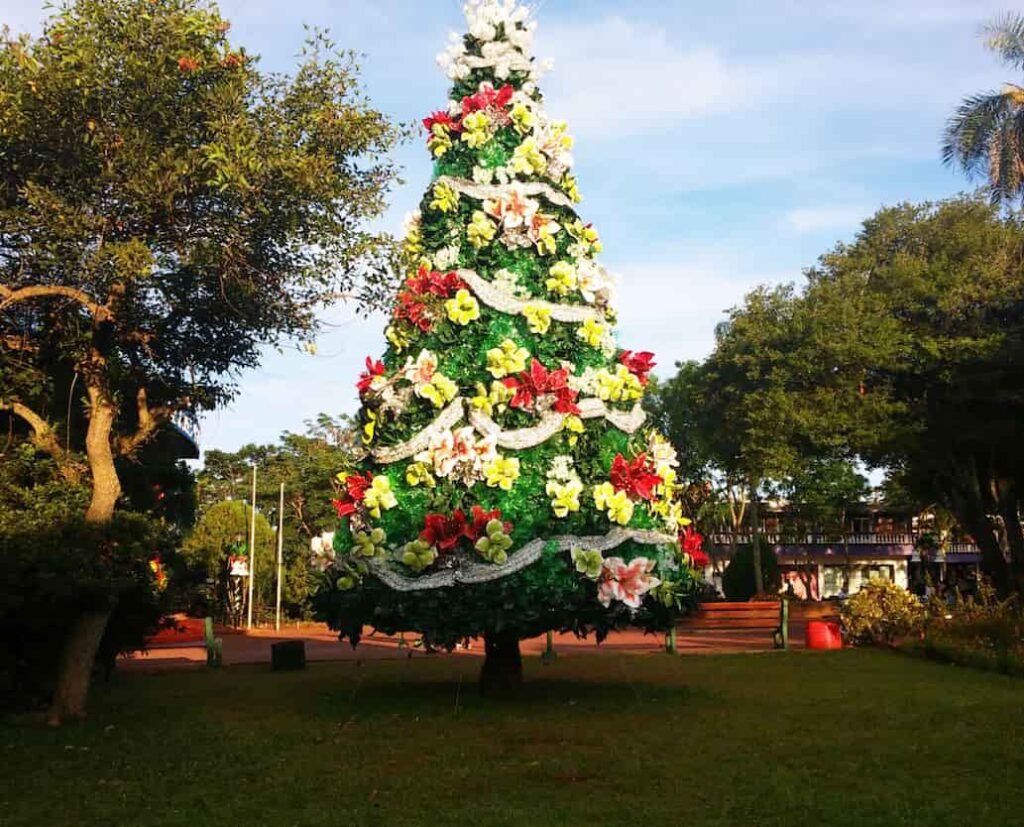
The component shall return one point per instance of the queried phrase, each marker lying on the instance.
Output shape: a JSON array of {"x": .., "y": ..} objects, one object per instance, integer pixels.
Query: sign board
[{"x": 238, "y": 566}]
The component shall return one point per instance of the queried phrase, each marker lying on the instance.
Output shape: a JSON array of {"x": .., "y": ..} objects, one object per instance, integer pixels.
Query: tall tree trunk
[
  {"x": 503, "y": 664},
  {"x": 78, "y": 656},
  {"x": 755, "y": 538}
]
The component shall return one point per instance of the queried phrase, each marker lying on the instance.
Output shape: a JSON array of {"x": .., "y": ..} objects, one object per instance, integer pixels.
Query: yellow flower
[
  {"x": 397, "y": 338},
  {"x": 546, "y": 244},
  {"x": 621, "y": 386},
  {"x": 522, "y": 118},
  {"x": 379, "y": 496},
  {"x": 446, "y": 199},
  {"x": 616, "y": 503},
  {"x": 481, "y": 230},
  {"x": 418, "y": 474},
  {"x": 538, "y": 318},
  {"x": 439, "y": 390},
  {"x": 440, "y": 140},
  {"x": 502, "y": 473},
  {"x": 463, "y": 309},
  {"x": 563, "y": 279},
  {"x": 565, "y": 497},
  {"x": 445, "y": 386},
  {"x": 413, "y": 240},
  {"x": 528, "y": 158},
  {"x": 370, "y": 428},
  {"x": 574, "y": 425},
  {"x": 591, "y": 332},
  {"x": 506, "y": 359},
  {"x": 586, "y": 234},
  {"x": 476, "y": 129},
  {"x": 570, "y": 188},
  {"x": 482, "y": 400}
]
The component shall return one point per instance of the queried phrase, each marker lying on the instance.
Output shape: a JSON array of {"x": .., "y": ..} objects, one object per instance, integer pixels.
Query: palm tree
[{"x": 985, "y": 137}]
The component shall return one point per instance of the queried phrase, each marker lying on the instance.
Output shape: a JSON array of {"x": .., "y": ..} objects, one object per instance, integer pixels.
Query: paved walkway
[{"x": 323, "y": 645}]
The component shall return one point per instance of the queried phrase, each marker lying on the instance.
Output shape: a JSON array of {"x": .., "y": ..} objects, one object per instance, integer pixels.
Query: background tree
[
  {"x": 166, "y": 208},
  {"x": 308, "y": 465},
  {"x": 927, "y": 307},
  {"x": 984, "y": 136}
]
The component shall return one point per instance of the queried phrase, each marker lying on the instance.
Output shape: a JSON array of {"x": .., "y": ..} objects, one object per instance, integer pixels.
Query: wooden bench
[{"x": 769, "y": 616}]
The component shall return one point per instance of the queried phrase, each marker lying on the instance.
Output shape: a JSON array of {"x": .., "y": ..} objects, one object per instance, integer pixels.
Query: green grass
[{"x": 844, "y": 738}]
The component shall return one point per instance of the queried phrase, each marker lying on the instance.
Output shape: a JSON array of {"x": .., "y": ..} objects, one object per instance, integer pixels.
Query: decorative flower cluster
[{"x": 442, "y": 535}]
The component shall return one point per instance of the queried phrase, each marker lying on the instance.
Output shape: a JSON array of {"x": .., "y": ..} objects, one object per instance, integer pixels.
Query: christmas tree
[{"x": 510, "y": 485}]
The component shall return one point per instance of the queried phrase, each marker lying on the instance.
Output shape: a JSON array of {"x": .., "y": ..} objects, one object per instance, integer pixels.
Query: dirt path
[{"x": 323, "y": 645}]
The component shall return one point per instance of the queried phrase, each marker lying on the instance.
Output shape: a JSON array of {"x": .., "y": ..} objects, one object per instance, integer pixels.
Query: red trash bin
[{"x": 824, "y": 634}]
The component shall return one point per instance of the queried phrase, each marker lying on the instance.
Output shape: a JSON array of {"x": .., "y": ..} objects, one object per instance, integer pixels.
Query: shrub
[
  {"x": 738, "y": 578},
  {"x": 980, "y": 631},
  {"x": 881, "y": 612},
  {"x": 49, "y": 575}
]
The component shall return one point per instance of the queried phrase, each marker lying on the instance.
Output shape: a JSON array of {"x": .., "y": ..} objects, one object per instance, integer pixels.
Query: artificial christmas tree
[{"x": 510, "y": 486}]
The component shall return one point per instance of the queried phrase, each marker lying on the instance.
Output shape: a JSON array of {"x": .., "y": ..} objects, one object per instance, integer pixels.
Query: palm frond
[
  {"x": 1005, "y": 36},
  {"x": 970, "y": 132}
]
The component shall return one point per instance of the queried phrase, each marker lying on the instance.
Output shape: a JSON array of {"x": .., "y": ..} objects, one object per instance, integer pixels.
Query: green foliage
[
  {"x": 50, "y": 574},
  {"x": 33, "y": 494},
  {"x": 882, "y": 612},
  {"x": 169, "y": 209},
  {"x": 738, "y": 578},
  {"x": 307, "y": 465}
]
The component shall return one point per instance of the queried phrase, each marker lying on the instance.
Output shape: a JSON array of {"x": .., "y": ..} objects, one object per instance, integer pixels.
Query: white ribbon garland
[
  {"x": 486, "y": 192},
  {"x": 472, "y": 573},
  {"x": 448, "y": 418},
  {"x": 495, "y": 297},
  {"x": 628, "y": 422}
]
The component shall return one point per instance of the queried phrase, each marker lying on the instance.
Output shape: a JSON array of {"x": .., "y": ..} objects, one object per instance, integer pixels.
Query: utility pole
[
  {"x": 280, "y": 556},
  {"x": 252, "y": 547}
]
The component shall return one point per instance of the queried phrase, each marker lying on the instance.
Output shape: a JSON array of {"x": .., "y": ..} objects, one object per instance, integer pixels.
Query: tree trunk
[
  {"x": 106, "y": 487},
  {"x": 755, "y": 539},
  {"x": 503, "y": 665},
  {"x": 76, "y": 664},
  {"x": 78, "y": 656}
]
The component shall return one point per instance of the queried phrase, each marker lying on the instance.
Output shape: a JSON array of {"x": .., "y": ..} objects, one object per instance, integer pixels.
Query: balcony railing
[{"x": 836, "y": 541}]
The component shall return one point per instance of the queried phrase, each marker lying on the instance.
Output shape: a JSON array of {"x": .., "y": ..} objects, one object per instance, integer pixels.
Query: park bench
[{"x": 768, "y": 615}]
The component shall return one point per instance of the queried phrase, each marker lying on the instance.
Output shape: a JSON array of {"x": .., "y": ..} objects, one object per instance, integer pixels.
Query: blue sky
[{"x": 719, "y": 146}]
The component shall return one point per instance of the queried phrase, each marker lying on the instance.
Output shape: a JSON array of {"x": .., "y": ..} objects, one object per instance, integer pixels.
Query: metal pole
[
  {"x": 280, "y": 555},
  {"x": 252, "y": 547}
]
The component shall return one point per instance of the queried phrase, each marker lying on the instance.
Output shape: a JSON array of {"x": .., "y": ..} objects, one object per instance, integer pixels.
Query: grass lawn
[{"x": 844, "y": 738}]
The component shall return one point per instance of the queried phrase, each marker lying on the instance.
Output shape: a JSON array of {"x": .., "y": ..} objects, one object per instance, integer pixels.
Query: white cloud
[{"x": 823, "y": 217}]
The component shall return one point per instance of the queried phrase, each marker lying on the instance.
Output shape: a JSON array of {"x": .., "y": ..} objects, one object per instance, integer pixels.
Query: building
[{"x": 876, "y": 541}]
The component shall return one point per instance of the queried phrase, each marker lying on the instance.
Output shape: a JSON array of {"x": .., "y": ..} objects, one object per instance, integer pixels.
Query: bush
[
  {"x": 738, "y": 578},
  {"x": 881, "y": 612},
  {"x": 981, "y": 631},
  {"x": 49, "y": 575}
]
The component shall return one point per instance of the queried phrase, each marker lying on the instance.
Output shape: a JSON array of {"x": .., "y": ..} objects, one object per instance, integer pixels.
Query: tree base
[
  {"x": 76, "y": 664},
  {"x": 502, "y": 671}
]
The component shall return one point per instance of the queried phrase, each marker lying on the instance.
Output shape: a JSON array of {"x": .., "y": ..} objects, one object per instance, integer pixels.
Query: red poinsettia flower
[
  {"x": 488, "y": 98},
  {"x": 444, "y": 119},
  {"x": 444, "y": 532},
  {"x": 412, "y": 311},
  {"x": 538, "y": 381},
  {"x": 373, "y": 370},
  {"x": 443, "y": 285},
  {"x": 639, "y": 364},
  {"x": 355, "y": 492},
  {"x": 478, "y": 528},
  {"x": 699, "y": 559},
  {"x": 636, "y": 478},
  {"x": 690, "y": 541}
]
